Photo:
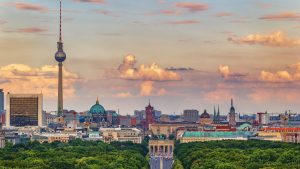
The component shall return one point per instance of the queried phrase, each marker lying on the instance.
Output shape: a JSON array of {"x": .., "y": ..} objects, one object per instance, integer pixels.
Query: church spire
[
  {"x": 215, "y": 115},
  {"x": 231, "y": 102},
  {"x": 97, "y": 101},
  {"x": 214, "y": 110}
]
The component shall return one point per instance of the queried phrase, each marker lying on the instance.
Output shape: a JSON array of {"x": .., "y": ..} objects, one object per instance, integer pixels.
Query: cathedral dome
[
  {"x": 97, "y": 109},
  {"x": 205, "y": 115}
]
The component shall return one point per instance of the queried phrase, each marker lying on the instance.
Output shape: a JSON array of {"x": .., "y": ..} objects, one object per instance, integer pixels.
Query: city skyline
[{"x": 180, "y": 54}]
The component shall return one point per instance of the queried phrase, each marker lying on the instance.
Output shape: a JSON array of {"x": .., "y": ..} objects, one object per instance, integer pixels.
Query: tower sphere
[{"x": 60, "y": 56}]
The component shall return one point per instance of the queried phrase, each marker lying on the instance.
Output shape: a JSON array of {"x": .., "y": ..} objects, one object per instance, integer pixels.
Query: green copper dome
[{"x": 97, "y": 109}]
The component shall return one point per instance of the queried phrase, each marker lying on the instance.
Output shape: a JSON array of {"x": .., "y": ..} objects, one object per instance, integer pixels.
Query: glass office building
[{"x": 24, "y": 110}]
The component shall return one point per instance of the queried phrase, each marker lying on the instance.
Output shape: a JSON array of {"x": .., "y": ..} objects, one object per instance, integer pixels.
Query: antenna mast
[{"x": 60, "y": 40}]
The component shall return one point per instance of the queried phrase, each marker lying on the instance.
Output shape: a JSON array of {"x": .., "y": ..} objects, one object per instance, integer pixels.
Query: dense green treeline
[
  {"x": 76, "y": 154},
  {"x": 239, "y": 155}
]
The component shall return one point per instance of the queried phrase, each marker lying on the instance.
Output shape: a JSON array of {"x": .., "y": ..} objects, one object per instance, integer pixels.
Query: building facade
[
  {"x": 191, "y": 115},
  {"x": 1, "y": 101},
  {"x": 205, "y": 118},
  {"x": 169, "y": 128},
  {"x": 121, "y": 134},
  {"x": 149, "y": 115},
  {"x": 24, "y": 110},
  {"x": 201, "y": 136},
  {"x": 158, "y": 148},
  {"x": 263, "y": 118}
]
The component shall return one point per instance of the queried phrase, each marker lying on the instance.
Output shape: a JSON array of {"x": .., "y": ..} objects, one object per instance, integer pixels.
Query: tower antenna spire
[
  {"x": 60, "y": 57},
  {"x": 60, "y": 39}
]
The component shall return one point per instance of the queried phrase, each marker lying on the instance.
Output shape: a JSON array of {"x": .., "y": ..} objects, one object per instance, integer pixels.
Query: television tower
[{"x": 60, "y": 57}]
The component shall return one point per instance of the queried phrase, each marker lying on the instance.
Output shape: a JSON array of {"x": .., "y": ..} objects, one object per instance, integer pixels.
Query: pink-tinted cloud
[
  {"x": 274, "y": 94},
  {"x": 108, "y": 13},
  {"x": 224, "y": 71},
  {"x": 282, "y": 75},
  {"x": 123, "y": 95},
  {"x": 286, "y": 16},
  {"x": 238, "y": 21},
  {"x": 218, "y": 95},
  {"x": 184, "y": 22},
  {"x": 91, "y": 1},
  {"x": 192, "y": 6},
  {"x": 161, "y": 92},
  {"x": 19, "y": 78},
  {"x": 153, "y": 72},
  {"x": 276, "y": 39},
  {"x": 165, "y": 12},
  {"x": 223, "y": 14},
  {"x": 170, "y": 12},
  {"x": 30, "y": 6},
  {"x": 146, "y": 88},
  {"x": 31, "y": 30}
]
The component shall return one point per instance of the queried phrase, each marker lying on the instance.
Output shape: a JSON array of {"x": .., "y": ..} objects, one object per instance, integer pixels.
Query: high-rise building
[
  {"x": 112, "y": 117},
  {"x": 149, "y": 115},
  {"x": 125, "y": 121},
  {"x": 24, "y": 110},
  {"x": 191, "y": 115},
  {"x": 60, "y": 57},
  {"x": 263, "y": 118},
  {"x": 1, "y": 101},
  {"x": 232, "y": 115}
]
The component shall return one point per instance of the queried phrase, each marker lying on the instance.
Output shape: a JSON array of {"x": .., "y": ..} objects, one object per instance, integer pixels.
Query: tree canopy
[
  {"x": 232, "y": 154},
  {"x": 76, "y": 154}
]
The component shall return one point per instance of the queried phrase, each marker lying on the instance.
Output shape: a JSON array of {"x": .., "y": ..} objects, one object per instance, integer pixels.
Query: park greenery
[
  {"x": 237, "y": 155},
  {"x": 76, "y": 154}
]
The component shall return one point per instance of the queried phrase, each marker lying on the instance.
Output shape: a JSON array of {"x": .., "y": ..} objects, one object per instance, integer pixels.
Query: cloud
[
  {"x": 286, "y": 16},
  {"x": 27, "y": 30},
  {"x": 180, "y": 69},
  {"x": 192, "y": 7},
  {"x": 161, "y": 92},
  {"x": 223, "y": 14},
  {"x": 31, "y": 30},
  {"x": 274, "y": 95},
  {"x": 218, "y": 95},
  {"x": 184, "y": 22},
  {"x": 108, "y": 13},
  {"x": 170, "y": 12},
  {"x": 146, "y": 88},
  {"x": 153, "y": 72},
  {"x": 91, "y": 1},
  {"x": 19, "y": 78},
  {"x": 29, "y": 6},
  {"x": 282, "y": 75},
  {"x": 148, "y": 75},
  {"x": 123, "y": 95},
  {"x": 276, "y": 39},
  {"x": 224, "y": 71}
]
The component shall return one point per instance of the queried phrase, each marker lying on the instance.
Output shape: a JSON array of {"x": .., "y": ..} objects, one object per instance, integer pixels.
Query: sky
[{"x": 180, "y": 54}]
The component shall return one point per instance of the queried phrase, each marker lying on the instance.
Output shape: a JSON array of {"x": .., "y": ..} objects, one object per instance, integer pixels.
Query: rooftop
[{"x": 217, "y": 134}]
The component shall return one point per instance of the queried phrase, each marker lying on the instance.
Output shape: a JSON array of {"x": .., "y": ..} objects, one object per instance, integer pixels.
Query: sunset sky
[{"x": 181, "y": 54}]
